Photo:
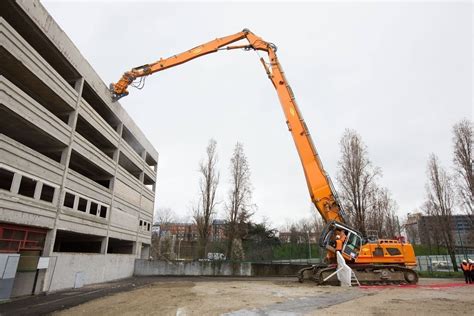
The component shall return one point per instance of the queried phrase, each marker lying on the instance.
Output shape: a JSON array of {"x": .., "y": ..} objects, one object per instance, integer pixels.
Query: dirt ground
[{"x": 282, "y": 297}]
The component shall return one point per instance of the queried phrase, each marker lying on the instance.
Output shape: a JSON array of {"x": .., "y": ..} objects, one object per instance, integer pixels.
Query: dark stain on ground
[{"x": 46, "y": 304}]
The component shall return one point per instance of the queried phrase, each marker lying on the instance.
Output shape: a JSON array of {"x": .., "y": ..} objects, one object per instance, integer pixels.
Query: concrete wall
[
  {"x": 276, "y": 269},
  {"x": 92, "y": 268},
  {"x": 195, "y": 268},
  {"x": 214, "y": 268},
  {"x": 24, "y": 283}
]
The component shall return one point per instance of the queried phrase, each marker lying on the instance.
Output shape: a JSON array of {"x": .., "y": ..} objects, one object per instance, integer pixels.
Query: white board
[
  {"x": 43, "y": 263},
  {"x": 8, "y": 265},
  {"x": 79, "y": 281}
]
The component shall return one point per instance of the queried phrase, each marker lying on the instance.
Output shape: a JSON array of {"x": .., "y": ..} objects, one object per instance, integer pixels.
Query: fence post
[
  {"x": 271, "y": 253},
  {"x": 291, "y": 251}
]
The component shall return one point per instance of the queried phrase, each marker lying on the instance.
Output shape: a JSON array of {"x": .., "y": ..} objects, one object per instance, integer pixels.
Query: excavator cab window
[
  {"x": 352, "y": 245},
  {"x": 327, "y": 237}
]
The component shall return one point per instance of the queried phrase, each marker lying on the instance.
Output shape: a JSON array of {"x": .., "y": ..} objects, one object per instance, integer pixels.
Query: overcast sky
[{"x": 398, "y": 73}]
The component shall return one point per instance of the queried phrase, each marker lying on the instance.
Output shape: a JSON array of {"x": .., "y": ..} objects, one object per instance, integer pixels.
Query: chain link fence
[
  {"x": 283, "y": 253},
  {"x": 251, "y": 251},
  {"x": 439, "y": 263}
]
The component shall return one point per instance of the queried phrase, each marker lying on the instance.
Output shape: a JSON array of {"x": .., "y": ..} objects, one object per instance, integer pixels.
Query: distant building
[
  {"x": 183, "y": 231},
  {"x": 411, "y": 227},
  {"x": 421, "y": 229},
  {"x": 218, "y": 230},
  {"x": 299, "y": 237},
  {"x": 285, "y": 237},
  {"x": 189, "y": 231}
]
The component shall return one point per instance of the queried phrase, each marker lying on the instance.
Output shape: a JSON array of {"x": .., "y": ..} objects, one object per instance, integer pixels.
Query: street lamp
[{"x": 460, "y": 240}]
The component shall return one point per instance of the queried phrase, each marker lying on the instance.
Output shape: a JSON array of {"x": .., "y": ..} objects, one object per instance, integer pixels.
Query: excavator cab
[{"x": 352, "y": 239}]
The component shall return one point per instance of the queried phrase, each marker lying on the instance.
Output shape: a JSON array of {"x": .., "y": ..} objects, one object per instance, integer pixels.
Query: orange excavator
[{"x": 373, "y": 260}]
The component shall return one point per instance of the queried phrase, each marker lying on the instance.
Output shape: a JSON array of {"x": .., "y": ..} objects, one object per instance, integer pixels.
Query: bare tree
[
  {"x": 463, "y": 160},
  {"x": 160, "y": 244},
  {"x": 411, "y": 227},
  {"x": 306, "y": 228},
  {"x": 295, "y": 234},
  {"x": 392, "y": 226},
  {"x": 381, "y": 213},
  {"x": 375, "y": 212},
  {"x": 205, "y": 208},
  {"x": 164, "y": 216},
  {"x": 316, "y": 220},
  {"x": 239, "y": 201},
  {"x": 356, "y": 177},
  {"x": 440, "y": 202},
  {"x": 431, "y": 229},
  {"x": 301, "y": 230}
]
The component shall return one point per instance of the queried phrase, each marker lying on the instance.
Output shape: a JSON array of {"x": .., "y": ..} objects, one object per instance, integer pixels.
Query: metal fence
[
  {"x": 439, "y": 263},
  {"x": 289, "y": 253},
  {"x": 174, "y": 249}
]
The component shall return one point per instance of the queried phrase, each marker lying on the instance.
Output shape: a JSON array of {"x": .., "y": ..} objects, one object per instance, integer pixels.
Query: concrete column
[
  {"x": 49, "y": 242},
  {"x": 116, "y": 155},
  {"x": 76, "y": 202},
  {"x": 47, "y": 251},
  {"x": 145, "y": 253},
  {"x": 38, "y": 189},
  {"x": 103, "y": 245},
  {"x": 15, "y": 183},
  {"x": 120, "y": 129},
  {"x": 65, "y": 157},
  {"x": 56, "y": 195},
  {"x": 137, "y": 249},
  {"x": 71, "y": 118},
  {"x": 78, "y": 85},
  {"x": 142, "y": 174}
]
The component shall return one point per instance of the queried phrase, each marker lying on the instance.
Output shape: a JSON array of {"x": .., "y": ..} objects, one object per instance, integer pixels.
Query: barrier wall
[
  {"x": 213, "y": 268},
  {"x": 78, "y": 269}
]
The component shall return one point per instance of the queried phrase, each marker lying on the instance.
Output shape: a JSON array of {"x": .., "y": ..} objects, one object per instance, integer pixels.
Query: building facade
[
  {"x": 189, "y": 231},
  {"x": 180, "y": 231},
  {"x": 77, "y": 176},
  {"x": 218, "y": 231},
  {"x": 298, "y": 237},
  {"x": 411, "y": 227},
  {"x": 422, "y": 229}
]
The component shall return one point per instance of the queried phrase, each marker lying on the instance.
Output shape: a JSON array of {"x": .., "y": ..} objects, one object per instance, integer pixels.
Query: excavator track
[
  {"x": 367, "y": 274},
  {"x": 309, "y": 273}
]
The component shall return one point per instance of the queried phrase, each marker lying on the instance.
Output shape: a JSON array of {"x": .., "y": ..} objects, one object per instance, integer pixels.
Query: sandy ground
[{"x": 267, "y": 297}]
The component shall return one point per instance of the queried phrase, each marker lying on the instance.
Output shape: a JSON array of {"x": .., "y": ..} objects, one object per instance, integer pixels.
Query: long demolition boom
[{"x": 319, "y": 184}]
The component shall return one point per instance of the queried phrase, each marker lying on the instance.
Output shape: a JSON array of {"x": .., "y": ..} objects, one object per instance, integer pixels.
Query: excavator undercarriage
[{"x": 366, "y": 274}]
